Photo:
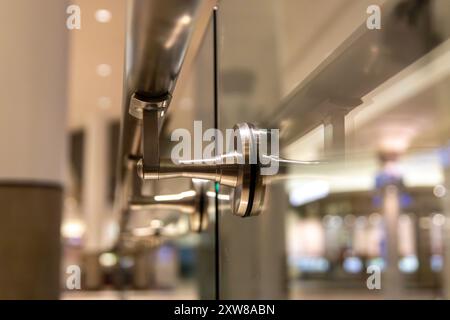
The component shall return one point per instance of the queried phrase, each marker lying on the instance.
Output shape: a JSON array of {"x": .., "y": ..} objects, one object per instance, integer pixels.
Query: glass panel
[{"x": 369, "y": 110}]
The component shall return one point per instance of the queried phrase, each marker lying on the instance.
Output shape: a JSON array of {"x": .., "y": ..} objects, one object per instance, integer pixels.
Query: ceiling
[{"x": 97, "y": 61}]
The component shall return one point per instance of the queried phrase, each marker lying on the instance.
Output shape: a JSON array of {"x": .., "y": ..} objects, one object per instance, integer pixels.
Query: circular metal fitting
[
  {"x": 247, "y": 198},
  {"x": 137, "y": 105}
]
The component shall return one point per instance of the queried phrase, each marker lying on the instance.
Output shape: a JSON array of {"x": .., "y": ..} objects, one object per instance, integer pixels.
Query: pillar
[
  {"x": 392, "y": 283},
  {"x": 33, "y": 146}
]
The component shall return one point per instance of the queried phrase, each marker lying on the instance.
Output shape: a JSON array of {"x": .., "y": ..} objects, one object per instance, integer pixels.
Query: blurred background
[{"x": 370, "y": 110}]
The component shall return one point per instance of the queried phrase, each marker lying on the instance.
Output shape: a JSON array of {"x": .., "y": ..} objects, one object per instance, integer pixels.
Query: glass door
[{"x": 359, "y": 93}]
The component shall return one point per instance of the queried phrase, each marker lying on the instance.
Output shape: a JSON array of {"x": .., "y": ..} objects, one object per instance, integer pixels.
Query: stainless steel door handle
[{"x": 240, "y": 170}]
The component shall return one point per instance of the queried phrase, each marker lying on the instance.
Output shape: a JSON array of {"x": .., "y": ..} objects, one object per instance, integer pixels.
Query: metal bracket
[
  {"x": 240, "y": 170},
  {"x": 151, "y": 112},
  {"x": 193, "y": 202},
  {"x": 243, "y": 174},
  {"x": 139, "y": 103}
]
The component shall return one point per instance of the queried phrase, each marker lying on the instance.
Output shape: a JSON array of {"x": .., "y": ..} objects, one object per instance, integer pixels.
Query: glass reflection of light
[
  {"x": 157, "y": 227},
  {"x": 212, "y": 194},
  {"x": 177, "y": 196},
  {"x": 311, "y": 264},
  {"x": 104, "y": 70},
  {"x": 308, "y": 192},
  {"x": 439, "y": 191},
  {"x": 438, "y": 219},
  {"x": 103, "y": 15},
  {"x": 73, "y": 229},
  {"x": 408, "y": 264},
  {"x": 196, "y": 180},
  {"x": 182, "y": 22},
  {"x": 107, "y": 259},
  {"x": 352, "y": 265}
]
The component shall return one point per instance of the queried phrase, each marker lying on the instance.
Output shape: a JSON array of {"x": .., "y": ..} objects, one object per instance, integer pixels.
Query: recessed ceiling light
[
  {"x": 104, "y": 102},
  {"x": 104, "y": 70},
  {"x": 103, "y": 15}
]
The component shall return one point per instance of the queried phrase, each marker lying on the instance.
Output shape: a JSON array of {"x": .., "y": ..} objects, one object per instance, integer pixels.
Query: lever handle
[
  {"x": 185, "y": 202},
  {"x": 243, "y": 174},
  {"x": 224, "y": 174}
]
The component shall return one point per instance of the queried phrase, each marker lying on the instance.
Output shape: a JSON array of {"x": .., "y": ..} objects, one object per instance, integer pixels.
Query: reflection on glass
[{"x": 364, "y": 140}]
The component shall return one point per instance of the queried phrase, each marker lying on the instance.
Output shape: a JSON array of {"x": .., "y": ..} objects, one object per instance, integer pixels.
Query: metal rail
[{"x": 162, "y": 40}]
